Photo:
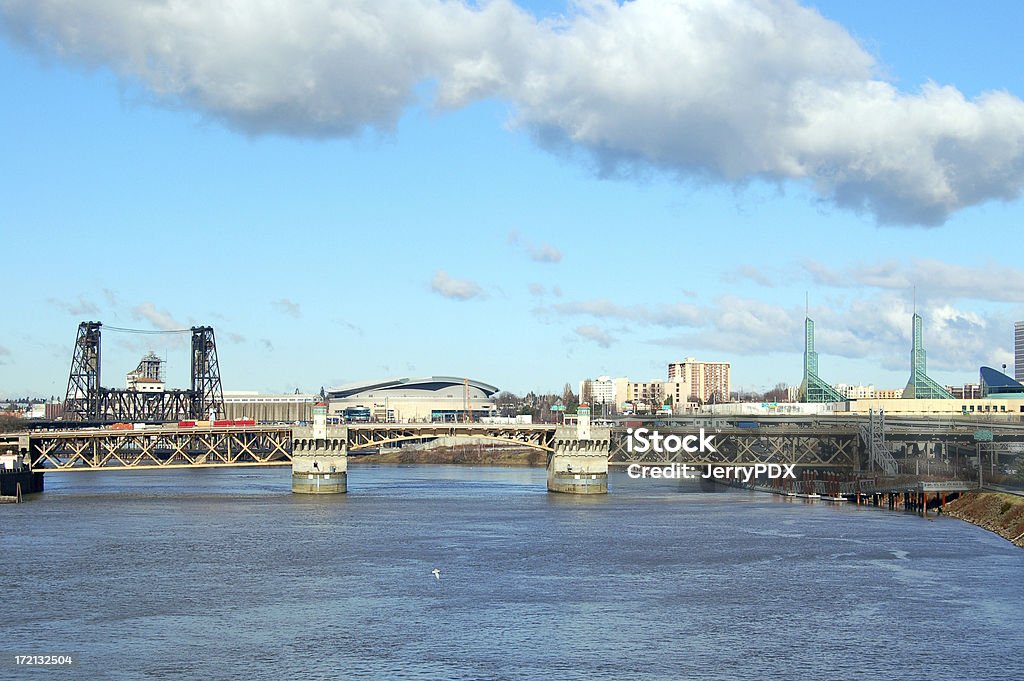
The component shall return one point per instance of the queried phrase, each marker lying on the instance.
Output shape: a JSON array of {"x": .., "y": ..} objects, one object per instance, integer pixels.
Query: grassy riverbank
[
  {"x": 465, "y": 456},
  {"x": 995, "y": 511}
]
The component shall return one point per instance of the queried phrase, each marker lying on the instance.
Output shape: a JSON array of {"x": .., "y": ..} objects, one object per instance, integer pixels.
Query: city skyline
[{"x": 527, "y": 195}]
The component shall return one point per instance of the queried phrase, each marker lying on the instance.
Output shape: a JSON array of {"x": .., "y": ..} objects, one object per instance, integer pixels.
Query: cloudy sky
[{"x": 524, "y": 193}]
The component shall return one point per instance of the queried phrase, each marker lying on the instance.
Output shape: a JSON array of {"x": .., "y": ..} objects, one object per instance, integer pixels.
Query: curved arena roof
[
  {"x": 425, "y": 383},
  {"x": 995, "y": 384}
]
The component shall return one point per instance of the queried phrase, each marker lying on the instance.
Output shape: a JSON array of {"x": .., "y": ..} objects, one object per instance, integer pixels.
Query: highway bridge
[
  {"x": 842, "y": 442},
  {"x": 578, "y": 456}
]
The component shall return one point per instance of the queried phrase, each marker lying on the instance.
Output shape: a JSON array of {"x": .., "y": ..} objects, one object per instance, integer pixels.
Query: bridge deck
[{"x": 823, "y": 443}]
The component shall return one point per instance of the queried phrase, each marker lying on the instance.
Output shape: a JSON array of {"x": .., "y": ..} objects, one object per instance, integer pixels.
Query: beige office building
[
  {"x": 647, "y": 396},
  {"x": 888, "y": 394},
  {"x": 679, "y": 391}
]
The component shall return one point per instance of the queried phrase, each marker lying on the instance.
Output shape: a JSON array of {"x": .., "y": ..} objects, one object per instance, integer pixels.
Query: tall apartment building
[
  {"x": 707, "y": 381},
  {"x": 1018, "y": 351}
]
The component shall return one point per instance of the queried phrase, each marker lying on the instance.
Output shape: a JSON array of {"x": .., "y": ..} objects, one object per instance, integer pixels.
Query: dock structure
[{"x": 16, "y": 475}]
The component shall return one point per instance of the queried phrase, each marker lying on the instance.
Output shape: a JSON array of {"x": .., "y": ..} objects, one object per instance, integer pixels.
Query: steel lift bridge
[{"x": 87, "y": 401}]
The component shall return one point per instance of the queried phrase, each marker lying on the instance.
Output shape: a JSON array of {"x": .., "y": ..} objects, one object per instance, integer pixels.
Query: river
[{"x": 224, "y": 574}]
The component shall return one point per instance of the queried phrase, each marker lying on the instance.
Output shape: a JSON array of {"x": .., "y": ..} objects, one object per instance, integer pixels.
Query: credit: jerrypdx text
[
  {"x": 643, "y": 440},
  {"x": 687, "y": 472}
]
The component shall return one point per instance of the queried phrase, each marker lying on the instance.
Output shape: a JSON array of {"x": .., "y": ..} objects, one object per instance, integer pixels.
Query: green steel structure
[
  {"x": 920, "y": 385},
  {"x": 813, "y": 389}
]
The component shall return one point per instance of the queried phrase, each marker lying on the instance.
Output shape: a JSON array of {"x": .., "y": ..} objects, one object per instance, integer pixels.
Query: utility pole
[{"x": 981, "y": 482}]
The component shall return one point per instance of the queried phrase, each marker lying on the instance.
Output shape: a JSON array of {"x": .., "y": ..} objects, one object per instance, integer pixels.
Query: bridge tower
[
  {"x": 579, "y": 464},
  {"x": 82, "y": 402},
  {"x": 319, "y": 458},
  {"x": 207, "y": 393}
]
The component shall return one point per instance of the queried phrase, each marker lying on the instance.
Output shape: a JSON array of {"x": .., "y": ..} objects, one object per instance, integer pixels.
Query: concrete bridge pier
[
  {"x": 579, "y": 463},
  {"x": 319, "y": 458}
]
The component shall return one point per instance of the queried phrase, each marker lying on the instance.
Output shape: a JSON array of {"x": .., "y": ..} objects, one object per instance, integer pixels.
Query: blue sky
[{"x": 526, "y": 195}]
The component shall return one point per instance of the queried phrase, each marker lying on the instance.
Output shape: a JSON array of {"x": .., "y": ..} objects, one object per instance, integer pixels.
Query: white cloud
[
  {"x": 595, "y": 334},
  {"x": 736, "y": 90},
  {"x": 161, "y": 319},
  {"x": 678, "y": 314},
  {"x": 742, "y": 326},
  {"x": 933, "y": 279},
  {"x": 880, "y": 328},
  {"x": 76, "y": 308},
  {"x": 758, "y": 275},
  {"x": 876, "y": 328},
  {"x": 542, "y": 252},
  {"x": 285, "y": 306},
  {"x": 536, "y": 289},
  {"x": 456, "y": 289},
  {"x": 319, "y": 68},
  {"x": 726, "y": 91}
]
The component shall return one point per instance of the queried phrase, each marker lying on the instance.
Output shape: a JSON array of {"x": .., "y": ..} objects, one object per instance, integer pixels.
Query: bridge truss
[
  {"x": 370, "y": 435},
  {"x": 804, "y": 447},
  {"x": 160, "y": 448},
  {"x": 836, "y": 446}
]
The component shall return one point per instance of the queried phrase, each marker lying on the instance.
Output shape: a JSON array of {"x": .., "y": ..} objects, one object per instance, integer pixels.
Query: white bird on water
[{"x": 436, "y": 573}]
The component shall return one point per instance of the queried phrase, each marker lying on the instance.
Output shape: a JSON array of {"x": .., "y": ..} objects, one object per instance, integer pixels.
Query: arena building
[{"x": 407, "y": 400}]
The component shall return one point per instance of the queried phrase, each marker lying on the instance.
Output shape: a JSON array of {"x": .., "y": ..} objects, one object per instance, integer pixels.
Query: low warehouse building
[{"x": 263, "y": 408}]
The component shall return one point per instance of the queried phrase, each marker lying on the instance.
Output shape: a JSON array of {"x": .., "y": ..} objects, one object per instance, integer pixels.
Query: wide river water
[{"x": 224, "y": 574}]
